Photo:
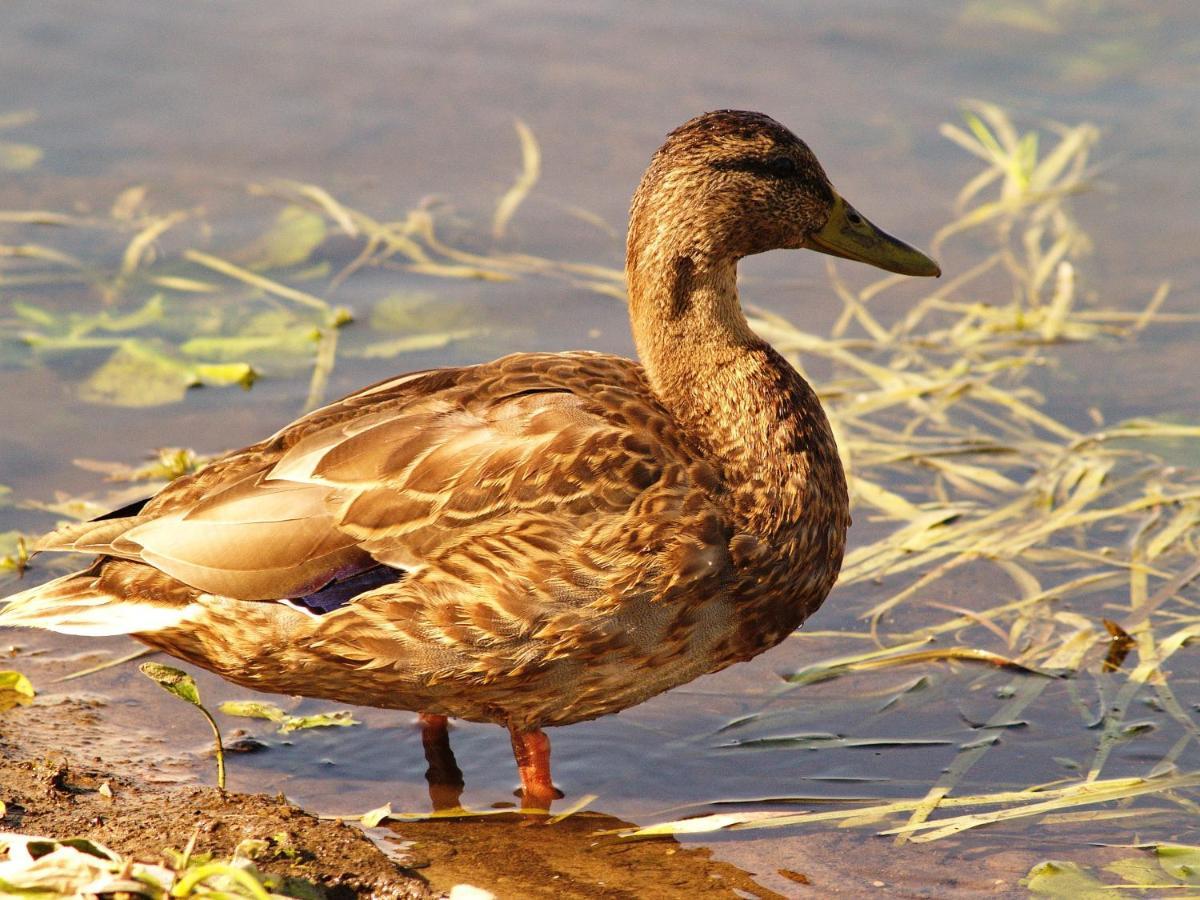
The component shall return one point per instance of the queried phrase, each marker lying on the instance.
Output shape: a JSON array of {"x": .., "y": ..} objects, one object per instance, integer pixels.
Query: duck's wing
[{"x": 469, "y": 471}]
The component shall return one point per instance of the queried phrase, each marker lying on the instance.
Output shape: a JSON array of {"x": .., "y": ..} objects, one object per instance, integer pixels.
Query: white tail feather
[{"x": 73, "y": 605}]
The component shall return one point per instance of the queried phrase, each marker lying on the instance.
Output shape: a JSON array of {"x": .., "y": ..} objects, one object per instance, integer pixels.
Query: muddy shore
[{"x": 56, "y": 793}]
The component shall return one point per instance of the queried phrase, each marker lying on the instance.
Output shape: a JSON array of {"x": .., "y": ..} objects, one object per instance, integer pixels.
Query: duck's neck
[{"x": 751, "y": 414}]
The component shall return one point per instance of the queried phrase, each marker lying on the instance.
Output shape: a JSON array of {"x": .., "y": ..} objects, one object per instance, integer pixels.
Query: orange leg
[
  {"x": 444, "y": 776},
  {"x": 532, "y": 750}
]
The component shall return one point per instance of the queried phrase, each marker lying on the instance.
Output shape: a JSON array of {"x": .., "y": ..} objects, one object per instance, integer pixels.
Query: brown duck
[{"x": 534, "y": 541}]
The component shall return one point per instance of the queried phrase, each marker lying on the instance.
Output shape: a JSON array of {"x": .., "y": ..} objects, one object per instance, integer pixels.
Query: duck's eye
[
  {"x": 773, "y": 167},
  {"x": 782, "y": 166}
]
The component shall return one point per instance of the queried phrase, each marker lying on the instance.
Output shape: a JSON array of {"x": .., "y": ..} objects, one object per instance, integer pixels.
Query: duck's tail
[
  {"x": 77, "y": 604},
  {"x": 80, "y": 603}
]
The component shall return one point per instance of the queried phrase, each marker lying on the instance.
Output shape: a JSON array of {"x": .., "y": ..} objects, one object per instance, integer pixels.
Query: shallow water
[{"x": 385, "y": 103}]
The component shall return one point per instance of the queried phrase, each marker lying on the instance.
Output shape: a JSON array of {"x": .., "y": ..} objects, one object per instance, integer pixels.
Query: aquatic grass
[
  {"x": 1031, "y": 802},
  {"x": 863, "y": 662},
  {"x": 531, "y": 162},
  {"x": 107, "y": 664}
]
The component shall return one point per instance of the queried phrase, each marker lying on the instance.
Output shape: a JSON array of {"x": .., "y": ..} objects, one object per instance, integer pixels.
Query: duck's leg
[
  {"x": 531, "y": 747},
  {"x": 444, "y": 776}
]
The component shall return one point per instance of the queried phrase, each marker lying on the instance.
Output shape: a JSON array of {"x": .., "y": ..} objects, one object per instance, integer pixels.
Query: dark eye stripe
[{"x": 775, "y": 167}]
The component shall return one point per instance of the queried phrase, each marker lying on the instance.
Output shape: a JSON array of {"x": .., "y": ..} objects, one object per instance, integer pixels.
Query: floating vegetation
[
  {"x": 15, "y": 690},
  {"x": 372, "y": 818},
  {"x": 1167, "y": 869},
  {"x": 14, "y": 554},
  {"x": 153, "y": 340},
  {"x": 166, "y": 464},
  {"x": 255, "y": 709},
  {"x": 15, "y": 156}
]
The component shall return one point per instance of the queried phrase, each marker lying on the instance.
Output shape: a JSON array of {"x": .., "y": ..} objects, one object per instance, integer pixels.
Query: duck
[{"x": 534, "y": 541}]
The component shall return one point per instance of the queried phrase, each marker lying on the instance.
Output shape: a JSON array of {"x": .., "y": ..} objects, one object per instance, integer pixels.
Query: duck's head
[{"x": 730, "y": 183}]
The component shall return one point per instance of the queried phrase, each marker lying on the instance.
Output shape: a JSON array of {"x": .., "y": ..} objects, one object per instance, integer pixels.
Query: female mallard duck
[{"x": 534, "y": 541}]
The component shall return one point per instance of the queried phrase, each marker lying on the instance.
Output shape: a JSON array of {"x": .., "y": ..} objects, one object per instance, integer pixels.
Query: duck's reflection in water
[
  {"x": 520, "y": 854},
  {"x": 444, "y": 776}
]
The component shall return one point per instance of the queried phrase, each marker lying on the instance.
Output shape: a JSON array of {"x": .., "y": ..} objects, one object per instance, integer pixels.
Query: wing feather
[{"x": 472, "y": 473}]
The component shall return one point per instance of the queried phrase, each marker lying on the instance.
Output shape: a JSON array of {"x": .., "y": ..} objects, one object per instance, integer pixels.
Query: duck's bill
[{"x": 849, "y": 235}]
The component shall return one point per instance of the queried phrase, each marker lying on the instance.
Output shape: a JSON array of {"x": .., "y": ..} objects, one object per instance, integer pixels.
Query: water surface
[{"x": 384, "y": 103}]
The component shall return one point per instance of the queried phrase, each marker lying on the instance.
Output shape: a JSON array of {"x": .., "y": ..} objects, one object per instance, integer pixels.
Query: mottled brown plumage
[{"x": 534, "y": 541}]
